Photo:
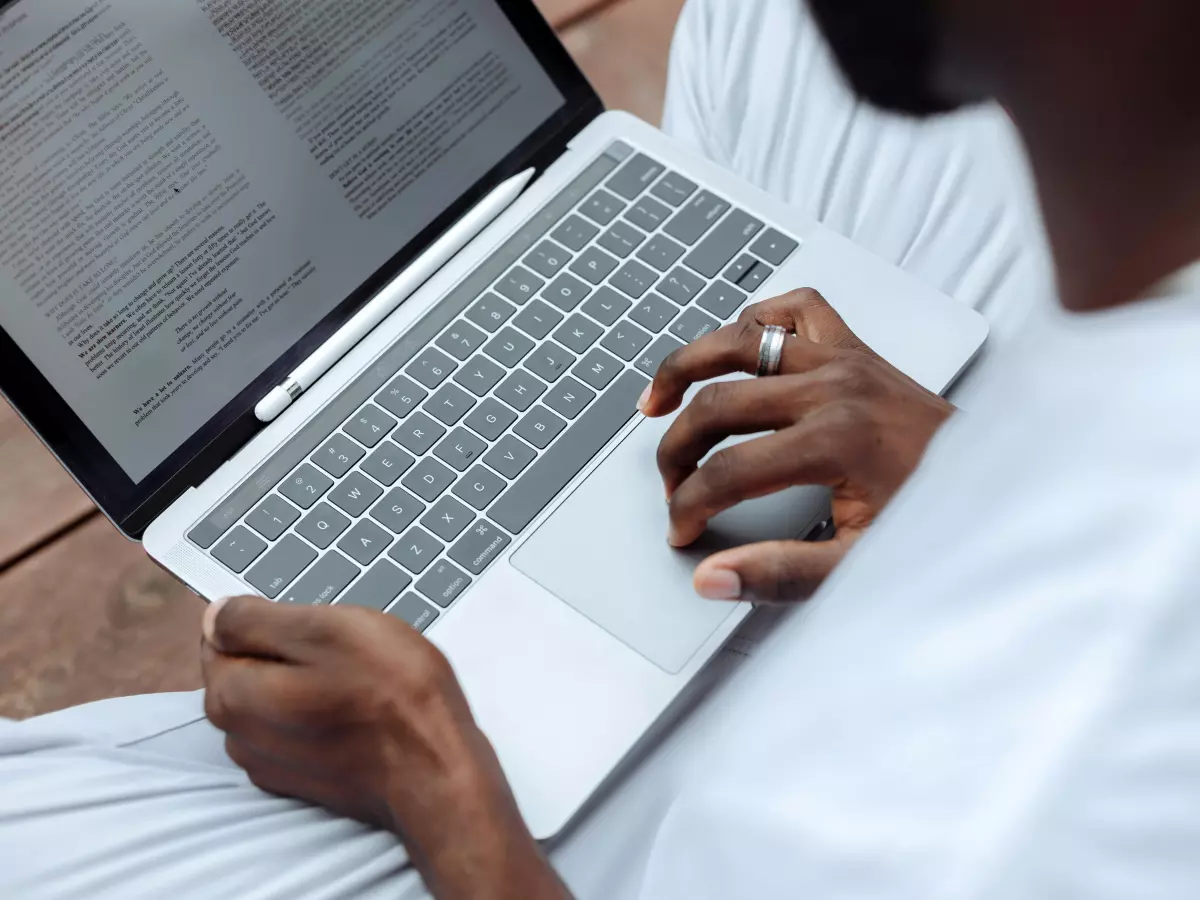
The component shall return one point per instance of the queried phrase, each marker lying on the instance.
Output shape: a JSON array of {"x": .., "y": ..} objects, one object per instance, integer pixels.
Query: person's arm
[
  {"x": 838, "y": 416},
  {"x": 356, "y": 712}
]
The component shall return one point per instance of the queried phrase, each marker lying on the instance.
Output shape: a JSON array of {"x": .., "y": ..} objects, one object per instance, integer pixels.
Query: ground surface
[{"x": 84, "y": 615}]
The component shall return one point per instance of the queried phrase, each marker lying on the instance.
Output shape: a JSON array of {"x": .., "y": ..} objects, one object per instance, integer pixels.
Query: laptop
[{"x": 352, "y": 303}]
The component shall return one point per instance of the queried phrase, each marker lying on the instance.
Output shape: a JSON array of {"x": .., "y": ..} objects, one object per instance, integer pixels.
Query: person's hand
[
  {"x": 356, "y": 712},
  {"x": 840, "y": 417}
]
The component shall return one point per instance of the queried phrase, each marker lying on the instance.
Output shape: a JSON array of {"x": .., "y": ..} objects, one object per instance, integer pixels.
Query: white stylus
[{"x": 385, "y": 302}]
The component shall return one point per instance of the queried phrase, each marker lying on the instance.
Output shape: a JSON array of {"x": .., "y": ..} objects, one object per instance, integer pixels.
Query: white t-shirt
[{"x": 998, "y": 695}]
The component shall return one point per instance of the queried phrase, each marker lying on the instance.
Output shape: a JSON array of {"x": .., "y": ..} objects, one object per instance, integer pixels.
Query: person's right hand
[{"x": 840, "y": 417}]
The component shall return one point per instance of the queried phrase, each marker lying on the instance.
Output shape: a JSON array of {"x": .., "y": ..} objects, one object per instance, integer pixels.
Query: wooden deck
[{"x": 84, "y": 615}]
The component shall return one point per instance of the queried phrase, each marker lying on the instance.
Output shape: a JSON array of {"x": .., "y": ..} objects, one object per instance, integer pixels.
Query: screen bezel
[{"x": 133, "y": 506}]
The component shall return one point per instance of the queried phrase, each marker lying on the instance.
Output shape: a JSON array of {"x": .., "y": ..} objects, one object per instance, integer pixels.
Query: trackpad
[{"x": 605, "y": 552}]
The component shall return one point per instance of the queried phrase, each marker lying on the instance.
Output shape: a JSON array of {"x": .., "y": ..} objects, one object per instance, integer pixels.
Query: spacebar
[{"x": 567, "y": 456}]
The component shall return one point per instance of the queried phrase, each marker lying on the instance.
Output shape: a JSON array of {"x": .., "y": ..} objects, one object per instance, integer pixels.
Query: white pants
[{"x": 135, "y": 798}]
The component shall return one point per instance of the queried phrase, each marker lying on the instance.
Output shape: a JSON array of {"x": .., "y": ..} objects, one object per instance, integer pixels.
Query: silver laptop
[{"x": 353, "y": 302}]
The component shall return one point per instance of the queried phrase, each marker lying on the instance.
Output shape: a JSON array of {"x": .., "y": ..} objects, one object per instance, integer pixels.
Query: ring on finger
[{"x": 770, "y": 351}]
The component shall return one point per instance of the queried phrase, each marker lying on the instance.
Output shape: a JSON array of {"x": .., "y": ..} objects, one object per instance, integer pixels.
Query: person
[{"x": 993, "y": 691}]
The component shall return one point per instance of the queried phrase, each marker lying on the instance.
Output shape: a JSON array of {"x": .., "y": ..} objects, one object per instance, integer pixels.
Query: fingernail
[
  {"x": 645, "y": 398},
  {"x": 673, "y": 537},
  {"x": 209, "y": 624},
  {"x": 718, "y": 584}
]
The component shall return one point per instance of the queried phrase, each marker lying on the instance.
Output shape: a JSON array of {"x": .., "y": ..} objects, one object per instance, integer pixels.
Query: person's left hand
[{"x": 356, "y": 712}]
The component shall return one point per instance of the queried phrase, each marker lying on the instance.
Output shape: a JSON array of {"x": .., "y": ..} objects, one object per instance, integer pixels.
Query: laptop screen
[{"x": 190, "y": 188}]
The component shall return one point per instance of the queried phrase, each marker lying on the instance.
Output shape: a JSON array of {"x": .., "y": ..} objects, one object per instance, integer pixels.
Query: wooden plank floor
[{"x": 84, "y": 614}]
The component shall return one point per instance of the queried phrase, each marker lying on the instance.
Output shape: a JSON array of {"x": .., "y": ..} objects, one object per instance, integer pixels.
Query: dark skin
[{"x": 356, "y": 712}]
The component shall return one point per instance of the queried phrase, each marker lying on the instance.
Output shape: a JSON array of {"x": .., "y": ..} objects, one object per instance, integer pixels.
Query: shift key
[
  {"x": 327, "y": 579},
  {"x": 543, "y": 481}
]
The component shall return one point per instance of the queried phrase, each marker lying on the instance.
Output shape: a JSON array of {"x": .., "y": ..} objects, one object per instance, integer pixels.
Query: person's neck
[{"x": 1120, "y": 191}]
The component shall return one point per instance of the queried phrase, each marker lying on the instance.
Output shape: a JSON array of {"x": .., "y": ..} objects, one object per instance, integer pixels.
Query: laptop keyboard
[{"x": 472, "y": 432}]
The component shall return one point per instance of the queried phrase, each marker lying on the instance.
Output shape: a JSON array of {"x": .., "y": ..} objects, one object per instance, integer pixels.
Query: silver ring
[{"x": 770, "y": 351}]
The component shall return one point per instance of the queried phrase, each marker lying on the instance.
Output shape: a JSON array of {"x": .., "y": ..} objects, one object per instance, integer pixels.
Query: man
[{"x": 996, "y": 695}]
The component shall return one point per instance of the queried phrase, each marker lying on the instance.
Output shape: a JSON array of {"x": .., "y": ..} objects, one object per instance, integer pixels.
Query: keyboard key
[
  {"x": 322, "y": 526},
  {"x": 510, "y": 457},
  {"x": 479, "y": 487},
  {"x": 508, "y": 348},
  {"x": 569, "y": 398},
  {"x": 281, "y": 566},
  {"x": 542, "y": 482},
  {"x": 681, "y": 286},
  {"x": 602, "y": 207},
  {"x": 415, "y": 611},
  {"x": 566, "y": 292},
  {"x": 693, "y": 221},
  {"x": 693, "y": 325},
  {"x": 306, "y": 486},
  {"x": 721, "y": 299},
  {"x": 660, "y": 252},
  {"x": 724, "y": 243},
  {"x": 652, "y": 358},
  {"x": 540, "y": 426},
  {"x": 673, "y": 188},
  {"x": 416, "y": 550},
  {"x": 449, "y": 404},
  {"x": 635, "y": 176},
  {"x": 622, "y": 239},
  {"x": 444, "y": 583},
  {"x": 774, "y": 247},
  {"x": 755, "y": 278},
  {"x": 739, "y": 267},
  {"x": 272, "y": 517},
  {"x": 595, "y": 265},
  {"x": 239, "y": 548},
  {"x": 480, "y": 375},
  {"x": 520, "y": 390},
  {"x": 398, "y": 510},
  {"x": 626, "y": 341},
  {"x": 418, "y": 434},
  {"x": 575, "y": 233},
  {"x": 370, "y": 426},
  {"x": 381, "y": 584},
  {"x": 490, "y": 312},
  {"x": 364, "y": 542},
  {"x": 432, "y": 367},
  {"x": 653, "y": 313},
  {"x": 490, "y": 419},
  {"x": 598, "y": 369},
  {"x": 634, "y": 279},
  {"x": 461, "y": 340},
  {"x": 648, "y": 214},
  {"x": 549, "y": 362},
  {"x": 482, "y": 543},
  {"x": 324, "y": 582},
  {"x": 606, "y": 306},
  {"x": 519, "y": 285},
  {"x": 401, "y": 396},
  {"x": 538, "y": 319},
  {"x": 355, "y": 495},
  {"x": 387, "y": 463},
  {"x": 578, "y": 333},
  {"x": 429, "y": 479},
  {"x": 447, "y": 519},
  {"x": 548, "y": 258},
  {"x": 460, "y": 449},
  {"x": 338, "y": 455}
]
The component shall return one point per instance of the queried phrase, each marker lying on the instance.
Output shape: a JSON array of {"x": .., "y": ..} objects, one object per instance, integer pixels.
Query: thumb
[
  {"x": 772, "y": 572},
  {"x": 252, "y": 626}
]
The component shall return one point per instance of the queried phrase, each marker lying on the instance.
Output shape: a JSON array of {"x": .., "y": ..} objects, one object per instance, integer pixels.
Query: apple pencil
[{"x": 385, "y": 302}]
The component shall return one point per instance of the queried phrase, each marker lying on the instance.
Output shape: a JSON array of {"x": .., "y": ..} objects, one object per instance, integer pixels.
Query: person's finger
[
  {"x": 245, "y": 689},
  {"x": 773, "y": 572},
  {"x": 252, "y": 626},
  {"x": 733, "y": 348},
  {"x": 809, "y": 315},
  {"x": 804, "y": 454},
  {"x": 728, "y": 408}
]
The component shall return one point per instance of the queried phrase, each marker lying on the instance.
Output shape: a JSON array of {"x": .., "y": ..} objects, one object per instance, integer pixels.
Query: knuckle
[
  {"x": 855, "y": 375},
  {"x": 710, "y": 399},
  {"x": 719, "y": 474}
]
